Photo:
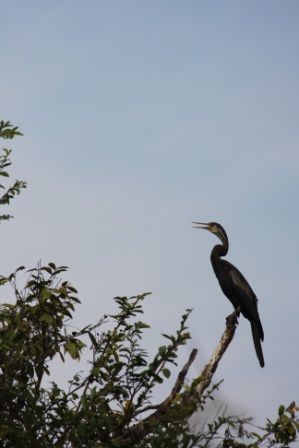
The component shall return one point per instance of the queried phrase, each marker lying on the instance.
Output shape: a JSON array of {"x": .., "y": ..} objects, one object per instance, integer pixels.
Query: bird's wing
[{"x": 240, "y": 281}]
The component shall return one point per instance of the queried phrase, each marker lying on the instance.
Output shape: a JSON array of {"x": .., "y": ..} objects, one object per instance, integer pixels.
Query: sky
[{"x": 139, "y": 118}]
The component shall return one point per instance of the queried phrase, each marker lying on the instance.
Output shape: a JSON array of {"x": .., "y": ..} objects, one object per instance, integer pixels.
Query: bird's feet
[{"x": 233, "y": 318}]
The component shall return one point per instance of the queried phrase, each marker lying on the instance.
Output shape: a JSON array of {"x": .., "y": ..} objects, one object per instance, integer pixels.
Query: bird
[{"x": 234, "y": 285}]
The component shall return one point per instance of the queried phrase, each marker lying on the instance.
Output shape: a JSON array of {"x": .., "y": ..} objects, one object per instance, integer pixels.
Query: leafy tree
[{"x": 112, "y": 404}]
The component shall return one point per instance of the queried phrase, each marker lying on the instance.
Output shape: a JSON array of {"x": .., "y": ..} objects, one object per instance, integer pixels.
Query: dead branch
[{"x": 210, "y": 368}]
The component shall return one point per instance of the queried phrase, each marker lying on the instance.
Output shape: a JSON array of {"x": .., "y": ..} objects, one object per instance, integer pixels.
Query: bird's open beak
[{"x": 201, "y": 225}]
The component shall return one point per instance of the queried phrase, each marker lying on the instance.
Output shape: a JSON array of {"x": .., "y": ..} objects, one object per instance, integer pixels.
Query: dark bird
[{"x": 235, "y": 286}]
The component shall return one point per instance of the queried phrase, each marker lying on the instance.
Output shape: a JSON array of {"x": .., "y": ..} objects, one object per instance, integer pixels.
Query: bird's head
[{"x": 213, "y": 227}]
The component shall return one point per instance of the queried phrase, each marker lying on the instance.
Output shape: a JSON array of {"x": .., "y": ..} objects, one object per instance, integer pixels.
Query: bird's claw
[{"x": 233, "y": 318}]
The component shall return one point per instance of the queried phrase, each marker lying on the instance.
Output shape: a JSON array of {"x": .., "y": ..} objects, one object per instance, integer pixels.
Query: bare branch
[
  {"x": 210, "y": 368},
  {"x": 181, "y": 378}
]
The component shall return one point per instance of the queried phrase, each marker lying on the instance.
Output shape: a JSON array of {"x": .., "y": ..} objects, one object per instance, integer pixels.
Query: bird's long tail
[{"x": 258, "y": 335}]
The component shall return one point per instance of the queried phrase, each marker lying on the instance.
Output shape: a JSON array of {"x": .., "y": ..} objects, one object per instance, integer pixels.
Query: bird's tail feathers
[{"x": 258, "y": 335}]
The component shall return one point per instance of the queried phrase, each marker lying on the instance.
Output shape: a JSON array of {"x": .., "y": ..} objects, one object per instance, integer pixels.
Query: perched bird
[{"x": 235, "y": 286}]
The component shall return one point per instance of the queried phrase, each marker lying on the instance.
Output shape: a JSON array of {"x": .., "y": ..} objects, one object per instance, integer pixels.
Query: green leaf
[
  {"x": 158, "y": 379},
  {"x": 162, "y": 350},
  {"x": 93, "y": 339},
  {"x": 72, "y": 349},
  {"x": 47, "y": 318},
  {"x": 281, "y": 410},
  {"x": 20, "y": 268},
  {"x": 166, "y": 373}
]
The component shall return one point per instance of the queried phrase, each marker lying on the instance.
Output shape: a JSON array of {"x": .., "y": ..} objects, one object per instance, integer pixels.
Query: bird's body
[{"x": 235, "y": 287}]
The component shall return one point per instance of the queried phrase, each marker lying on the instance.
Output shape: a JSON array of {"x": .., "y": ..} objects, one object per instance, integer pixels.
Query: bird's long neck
[{"x": 220, "y": 250}]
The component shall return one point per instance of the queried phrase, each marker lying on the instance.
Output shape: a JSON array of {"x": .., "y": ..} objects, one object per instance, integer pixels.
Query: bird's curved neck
[{"x": 220, "y": 250}]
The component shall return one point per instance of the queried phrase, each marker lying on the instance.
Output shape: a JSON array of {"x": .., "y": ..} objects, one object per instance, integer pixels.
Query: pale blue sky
[{"x": 140, "y": 117}]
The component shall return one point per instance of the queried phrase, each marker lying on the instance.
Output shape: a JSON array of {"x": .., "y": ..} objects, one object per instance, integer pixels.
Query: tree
[{"x": 112, "y": 404}]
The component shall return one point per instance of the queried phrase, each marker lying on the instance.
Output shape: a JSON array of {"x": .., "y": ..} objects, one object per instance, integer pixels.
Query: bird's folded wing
[{"x": 240, "y": 281}]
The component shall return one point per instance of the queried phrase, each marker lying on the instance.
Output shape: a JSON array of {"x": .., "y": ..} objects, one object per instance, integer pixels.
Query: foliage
[
  {"x": 7, "y": 131},
  {"x": 110, "y": 405},
  {"x": 99, "y": 405}
]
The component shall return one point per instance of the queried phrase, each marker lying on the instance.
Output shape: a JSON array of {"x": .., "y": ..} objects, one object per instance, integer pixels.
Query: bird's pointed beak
[{"x": 201, "y": 225}]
